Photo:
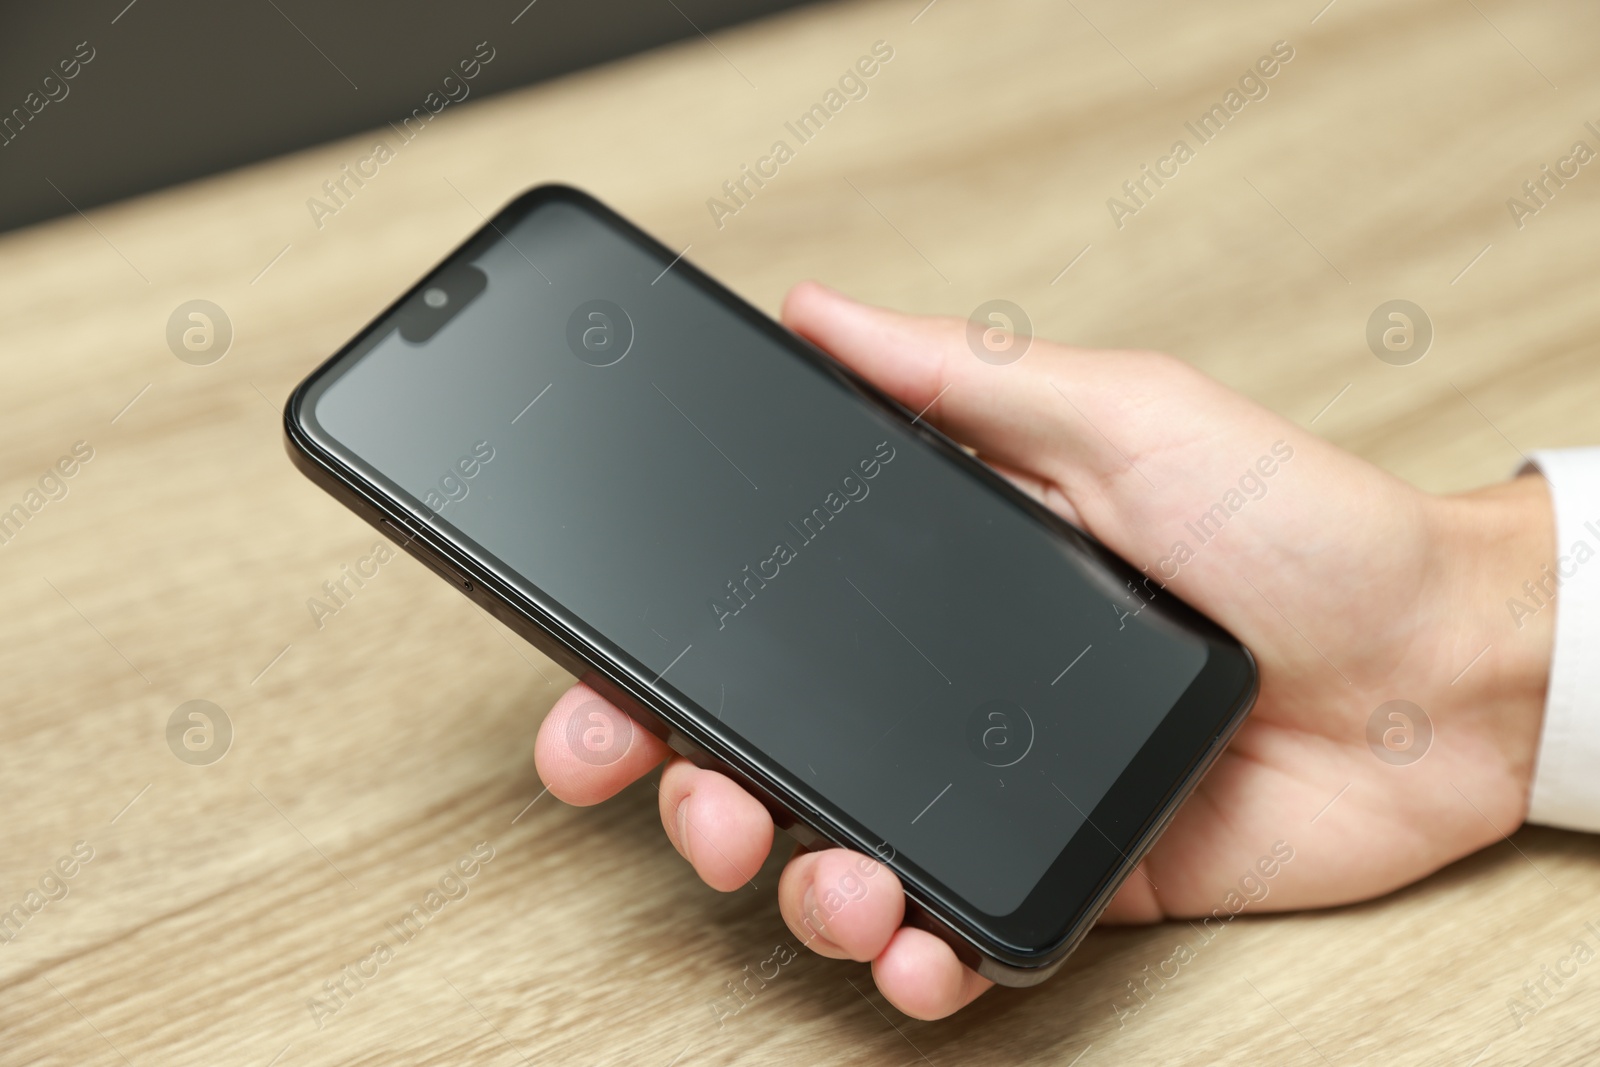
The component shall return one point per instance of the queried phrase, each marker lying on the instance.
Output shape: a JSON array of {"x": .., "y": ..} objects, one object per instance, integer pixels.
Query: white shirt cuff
[{"x": 1566, "y": 779}]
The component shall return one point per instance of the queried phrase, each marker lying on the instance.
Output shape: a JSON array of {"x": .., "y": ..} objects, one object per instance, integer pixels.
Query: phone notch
[{"x": 438, "y": 300}]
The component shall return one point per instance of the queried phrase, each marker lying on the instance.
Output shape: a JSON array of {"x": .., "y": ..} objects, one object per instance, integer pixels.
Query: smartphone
[{"x": 780, "y": 571}]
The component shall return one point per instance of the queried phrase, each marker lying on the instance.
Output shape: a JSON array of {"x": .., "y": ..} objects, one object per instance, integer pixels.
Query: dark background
[{"x": 183, "y": 88}]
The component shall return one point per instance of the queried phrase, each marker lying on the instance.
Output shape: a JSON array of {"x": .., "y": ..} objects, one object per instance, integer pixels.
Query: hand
[{"x": 1350, "y": 587}]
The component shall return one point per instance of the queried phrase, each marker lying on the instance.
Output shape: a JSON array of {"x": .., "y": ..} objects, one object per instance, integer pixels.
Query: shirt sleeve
[{"x": 1566, "y": 779}]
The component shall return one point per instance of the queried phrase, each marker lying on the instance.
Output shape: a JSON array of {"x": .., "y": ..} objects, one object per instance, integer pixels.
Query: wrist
[{"x": 1499, "y": 573}]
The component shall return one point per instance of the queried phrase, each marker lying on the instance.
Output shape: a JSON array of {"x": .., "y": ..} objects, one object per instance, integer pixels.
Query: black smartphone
[{"x": 780, "y": 571}]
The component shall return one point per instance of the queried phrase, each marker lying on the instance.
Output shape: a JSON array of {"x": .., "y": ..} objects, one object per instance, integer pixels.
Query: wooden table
[{"x": 370, "y": 755}]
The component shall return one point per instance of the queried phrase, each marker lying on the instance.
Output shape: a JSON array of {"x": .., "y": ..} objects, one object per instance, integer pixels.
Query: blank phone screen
[{"x": 799, "y": 565}]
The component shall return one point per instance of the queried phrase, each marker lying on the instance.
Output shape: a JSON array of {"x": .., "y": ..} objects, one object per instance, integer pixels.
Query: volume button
[
  {"x": 404, "y": 538},
  {"x": 398, "y": 535}
]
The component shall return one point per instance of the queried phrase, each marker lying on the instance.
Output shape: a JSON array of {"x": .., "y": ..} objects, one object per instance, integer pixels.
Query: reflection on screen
[{"x": 802, "y": 567}]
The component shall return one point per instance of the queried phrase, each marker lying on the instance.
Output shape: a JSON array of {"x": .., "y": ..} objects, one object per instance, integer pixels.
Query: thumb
[
  {"x": 1019, "y": 416},
  {"x": 905, "y": 356}
]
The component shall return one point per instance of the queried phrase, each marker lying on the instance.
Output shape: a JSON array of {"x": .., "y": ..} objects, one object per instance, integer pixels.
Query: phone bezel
[{"x": 1016, "y": 948}]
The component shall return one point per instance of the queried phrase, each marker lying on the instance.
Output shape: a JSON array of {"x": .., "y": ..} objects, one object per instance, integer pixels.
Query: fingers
[
  {"x": 587, "y": 750},
  {"x": 720, "y": 829},
  {"x": 848, "y": 906},
  {"x": 841, "y": 904},
  {"x": 920, "y": 975}
]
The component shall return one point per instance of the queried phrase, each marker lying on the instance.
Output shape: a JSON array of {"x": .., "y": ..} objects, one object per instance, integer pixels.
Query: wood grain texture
[{"x": 371, "y": 754}]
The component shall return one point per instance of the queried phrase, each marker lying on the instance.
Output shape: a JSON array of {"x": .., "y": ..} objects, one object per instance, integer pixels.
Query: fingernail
[
  {"x": 683, "y": 828},
  {"x": 808, "y": 908}
]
